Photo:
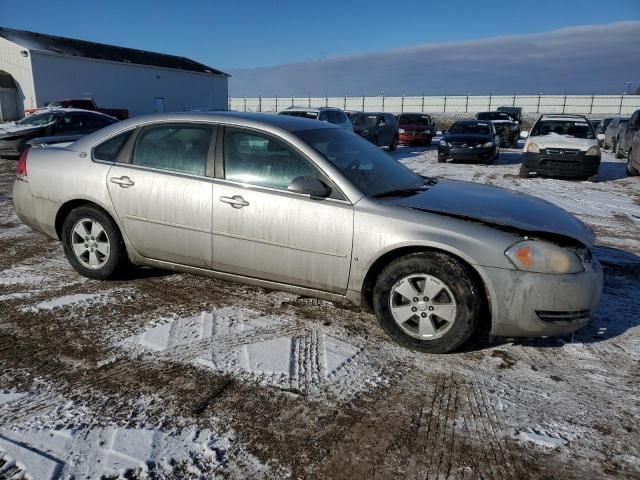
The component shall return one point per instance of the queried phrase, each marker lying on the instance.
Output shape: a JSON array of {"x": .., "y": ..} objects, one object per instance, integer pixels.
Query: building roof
[{"x": 100, "y": 51}]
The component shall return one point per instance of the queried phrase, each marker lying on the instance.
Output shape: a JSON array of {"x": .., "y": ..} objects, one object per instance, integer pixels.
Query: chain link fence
[{"x": 577, "y": 104}]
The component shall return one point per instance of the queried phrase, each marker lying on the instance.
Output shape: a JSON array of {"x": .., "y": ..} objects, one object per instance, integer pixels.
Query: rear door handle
[
  {"x": 236, "y": 201},
  {"x": 124, "y": 182}
]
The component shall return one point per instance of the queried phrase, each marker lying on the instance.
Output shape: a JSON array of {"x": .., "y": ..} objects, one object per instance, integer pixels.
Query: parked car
[
  {"x": 561, "y": 146},
  {"x": 506, "y": 127},
  {"x": 381, "y": 129},
  {"x": 514, "y": 112},
  {"x": 470, "y": 140},
  {"x": 83, "y": 104},
  {"x": 613, "y": 130},
  {"x": 324, "y": 114},
  {"x": 48, "y": 123},
  {"x": 304, "y": 206},
  {"x": 633, "y": 157},
  {"x": 625, "y": 135},
  {"x": 416, "y": 129},
  {"x": 601, "y": 128}
]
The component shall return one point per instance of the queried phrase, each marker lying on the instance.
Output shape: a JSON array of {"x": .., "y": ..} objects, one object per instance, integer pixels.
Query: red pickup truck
[{"x": 85, "y": 104}]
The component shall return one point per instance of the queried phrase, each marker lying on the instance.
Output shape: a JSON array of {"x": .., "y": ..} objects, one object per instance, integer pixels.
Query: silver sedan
[{"x": 292, "y": 204}]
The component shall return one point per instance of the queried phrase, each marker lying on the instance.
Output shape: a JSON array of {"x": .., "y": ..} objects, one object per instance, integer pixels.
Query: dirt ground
[{"x": 168, "y": 375}]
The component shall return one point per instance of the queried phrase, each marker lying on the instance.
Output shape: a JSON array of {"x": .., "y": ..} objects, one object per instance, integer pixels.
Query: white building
[{"x": 36, "y": 69}]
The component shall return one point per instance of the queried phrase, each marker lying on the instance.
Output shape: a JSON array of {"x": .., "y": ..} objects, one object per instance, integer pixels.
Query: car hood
[
  {"x": 12, "y": 128},
  {"x": 500, "y": 207},
  {"x": 465, "y": 137},
  {"x": 554, "y": 140}
]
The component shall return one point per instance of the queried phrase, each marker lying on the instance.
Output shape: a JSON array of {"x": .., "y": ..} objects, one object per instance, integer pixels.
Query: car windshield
[
  {"x": 364, "y": 121},
  {"x": 568, "y": 128},
  {"x": 494, "y": 116},
  {"x": 303, "y": 114},
  {"x": 471, "y": 128},
  {"x": 37, "y": 119},
  {"x": 624, "y": 121},
  {"x": 365, "y": 165},
  {"x": 54, "y": 104},
  {"x": 414, "y": 119}
]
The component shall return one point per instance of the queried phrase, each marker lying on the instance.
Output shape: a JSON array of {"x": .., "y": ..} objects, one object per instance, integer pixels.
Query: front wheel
[
  {"x": 92, "y": 243},
  {"x": 524, "y": 172},
  {"x": 427, "y": 301},
  {"x": 394, "y": 145}
]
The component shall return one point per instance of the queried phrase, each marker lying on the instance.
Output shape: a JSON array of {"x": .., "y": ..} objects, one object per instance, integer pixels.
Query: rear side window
[
  {"x": 109, "y": 150},
  {"x": 175, "y": 148}
]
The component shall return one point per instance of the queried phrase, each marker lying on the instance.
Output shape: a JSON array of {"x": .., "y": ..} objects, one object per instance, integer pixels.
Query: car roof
[
  {"x": 564, "y": 117},
  {"x": 309, "y": 109},
  {"x": 259, "y": 121}
]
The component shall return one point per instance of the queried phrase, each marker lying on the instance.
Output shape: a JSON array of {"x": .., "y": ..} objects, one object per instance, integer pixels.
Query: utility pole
[{"x": 628, "y": 88}]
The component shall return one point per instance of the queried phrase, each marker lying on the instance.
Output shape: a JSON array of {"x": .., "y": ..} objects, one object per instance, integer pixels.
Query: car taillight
[{"x": 21, "y": 169}]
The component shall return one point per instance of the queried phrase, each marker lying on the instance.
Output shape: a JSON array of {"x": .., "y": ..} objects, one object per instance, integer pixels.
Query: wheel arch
[
  {"x": 70, "y": 205},
  {"x": 388, "y": 257}
]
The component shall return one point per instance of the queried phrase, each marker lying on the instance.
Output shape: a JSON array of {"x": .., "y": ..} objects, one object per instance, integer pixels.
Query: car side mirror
[
  {"x": 524, "y": 134},
  {"x": 311, "y": 186},
  {"x": 600, "y": 137}
]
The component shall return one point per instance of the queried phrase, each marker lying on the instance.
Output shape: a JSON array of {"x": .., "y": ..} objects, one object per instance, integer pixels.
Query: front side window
[
  {"x": 109, "y": 150},
  {"x": 70, "y": 125},
  {"x": 370, "y": 169},
  {"x": 263, "y": 161},
  {"x": 175, "y": 148}
]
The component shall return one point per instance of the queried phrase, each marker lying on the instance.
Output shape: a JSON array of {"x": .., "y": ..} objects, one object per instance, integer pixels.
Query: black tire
[
  {"x": 376, "y": 141},
  {"x": 394, "y": 145},
  {"x": 592, "y": 178},
  {"x": 524, "y": 172},
  {"x": 630, "y": 170},
  {"x": 455, "y": 276},
  {"x": 618, "y": 152},
  {"x": 117, "y": 260},
  {"x": 427, "y": 142},
  {"x": 441, "y": 159}
]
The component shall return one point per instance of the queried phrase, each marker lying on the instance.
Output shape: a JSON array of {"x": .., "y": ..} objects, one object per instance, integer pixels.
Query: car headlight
[
  {"x": 487, "y": 145},
  {"x": 401, "y": 130},
  {"x": 595, "y": 151},
  {"x": 532, "y": 148},
  {"x": 543, "y": 257},
  {"x": 443, "y": 143}
]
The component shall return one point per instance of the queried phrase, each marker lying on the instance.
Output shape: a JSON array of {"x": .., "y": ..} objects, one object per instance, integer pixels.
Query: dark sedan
[
  {"x": 381, "y": 129},
  {"x": 470, "y": 140},
  {"x": 14, "y": 137}
]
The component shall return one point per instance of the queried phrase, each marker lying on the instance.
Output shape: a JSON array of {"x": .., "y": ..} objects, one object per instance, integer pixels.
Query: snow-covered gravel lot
[{"x": 175, "y": 376}]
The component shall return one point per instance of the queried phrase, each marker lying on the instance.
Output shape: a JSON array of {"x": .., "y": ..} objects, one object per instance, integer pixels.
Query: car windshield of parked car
[
  {"x": 370, "y": 169},
  {"x": 301, "y": 114},
  {"x": 37, "y": 120},
  {"x": 414, "y": 120},
  {"x": 494, "y": 116},
  {"x": 568, "y": 128},
  {"x": 364, "y": 121},
  {"x": 470, "y": 128}
]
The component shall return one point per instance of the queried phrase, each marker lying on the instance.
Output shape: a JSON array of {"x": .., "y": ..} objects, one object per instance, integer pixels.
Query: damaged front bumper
[{"x": 526, "y": 304}]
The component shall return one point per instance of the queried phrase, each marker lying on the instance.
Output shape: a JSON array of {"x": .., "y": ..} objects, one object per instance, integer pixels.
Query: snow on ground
[{"x": 176, "y": 376}]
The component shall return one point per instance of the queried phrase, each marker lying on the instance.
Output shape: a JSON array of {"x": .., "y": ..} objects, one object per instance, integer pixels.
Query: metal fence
[{"x": 581, "y": 104}]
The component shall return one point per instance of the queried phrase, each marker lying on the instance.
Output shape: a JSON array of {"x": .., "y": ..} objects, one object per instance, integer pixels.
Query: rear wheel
[
  {"x": 427, "y": 142},
  {"x": 524, "y": 172},
  {"x": 92, "y": 243},
  {"x": 618, "y": 153},
  {"x": 630, "y": 170},
  {"x": 394, "y": 145},
  {"x": 427, "y": 301}
]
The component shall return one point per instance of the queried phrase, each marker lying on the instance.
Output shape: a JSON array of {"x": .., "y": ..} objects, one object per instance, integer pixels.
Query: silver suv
[
  {"x": 300, "y": 205},
  {"x": 324, "y": 114}
]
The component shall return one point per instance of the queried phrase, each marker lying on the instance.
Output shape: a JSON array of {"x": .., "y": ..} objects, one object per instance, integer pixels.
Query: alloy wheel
[
  {"x": 423, "y": 306},
  {"x": 90, "y": 243}
]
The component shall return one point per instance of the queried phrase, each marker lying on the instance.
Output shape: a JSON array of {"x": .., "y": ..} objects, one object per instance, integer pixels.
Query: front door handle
[
  {"x": 124, "y": 182},
  {"x": 236, "y": 201}
]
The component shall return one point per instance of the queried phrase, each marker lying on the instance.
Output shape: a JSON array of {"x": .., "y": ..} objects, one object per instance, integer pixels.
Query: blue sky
[{"x": 235, "y": 34}]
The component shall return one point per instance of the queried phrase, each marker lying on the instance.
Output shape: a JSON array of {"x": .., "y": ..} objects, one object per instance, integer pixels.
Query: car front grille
[
  {"x": 562, "y": 151},
  {"x": 566, "y": 316},
  {"x": 465, "y": 145},
  {"x": 414, "y": 132}
]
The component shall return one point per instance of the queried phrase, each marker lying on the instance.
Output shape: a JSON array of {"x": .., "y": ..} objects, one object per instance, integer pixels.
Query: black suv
[
  {"x": 381, "y": 129},
  {"x": 506, "y": 126}
]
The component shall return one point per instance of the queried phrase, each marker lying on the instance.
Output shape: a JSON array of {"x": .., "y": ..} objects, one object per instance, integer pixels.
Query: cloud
[{"x": 580, "y": 60}]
